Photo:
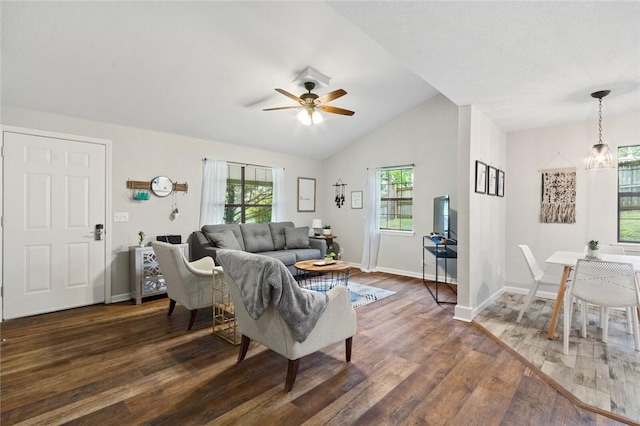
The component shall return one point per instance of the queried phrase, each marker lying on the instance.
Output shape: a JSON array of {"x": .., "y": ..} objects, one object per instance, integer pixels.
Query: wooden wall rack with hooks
[{"x": 143, "y": 184}]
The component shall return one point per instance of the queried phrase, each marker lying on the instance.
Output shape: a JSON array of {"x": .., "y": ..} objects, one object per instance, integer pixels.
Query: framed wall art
[
  {"x": 306, "y": 194},
  {"x": 481, "y": 177},
  {"x": 492, "y": 181},
  {"x": 356, "y": 199},
  {"x": 500, "y": 183}
]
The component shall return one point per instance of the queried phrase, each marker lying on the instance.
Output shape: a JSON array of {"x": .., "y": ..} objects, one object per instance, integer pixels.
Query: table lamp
[{"x": 316, "y": 224}]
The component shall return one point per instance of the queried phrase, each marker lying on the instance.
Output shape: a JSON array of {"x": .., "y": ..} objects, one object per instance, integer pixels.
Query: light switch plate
[{"x": 121, "y": 217}]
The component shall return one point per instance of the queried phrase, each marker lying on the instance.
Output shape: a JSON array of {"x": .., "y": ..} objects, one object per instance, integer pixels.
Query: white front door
[{"x": 54, "y": 196}]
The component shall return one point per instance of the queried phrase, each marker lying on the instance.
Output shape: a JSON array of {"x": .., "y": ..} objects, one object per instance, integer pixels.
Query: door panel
[{"x": 54, "y": 191}]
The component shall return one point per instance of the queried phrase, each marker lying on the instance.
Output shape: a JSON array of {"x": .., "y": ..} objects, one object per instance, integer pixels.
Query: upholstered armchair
[
  {"x": 188, "y": 283},
  {"x": 262, "y": 291}
]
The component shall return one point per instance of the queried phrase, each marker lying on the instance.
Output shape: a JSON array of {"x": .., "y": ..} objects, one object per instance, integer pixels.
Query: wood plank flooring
[{"x": 412, "y": 364}]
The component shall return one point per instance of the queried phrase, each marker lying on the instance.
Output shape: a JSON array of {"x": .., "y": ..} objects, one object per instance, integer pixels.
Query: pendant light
[{"x": 600, "y": 157}]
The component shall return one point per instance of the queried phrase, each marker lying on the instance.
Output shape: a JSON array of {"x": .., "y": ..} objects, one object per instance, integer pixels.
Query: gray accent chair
[
  {"x": 188, "y": 283},
  {"x": 337, "y": 322}
]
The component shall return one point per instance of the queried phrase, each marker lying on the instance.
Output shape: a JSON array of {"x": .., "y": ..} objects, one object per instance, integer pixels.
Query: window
[
  {"x": 396, "y": 199},
  {"x": 249, "y": 194},
  {"x": 629, "y": 194}
]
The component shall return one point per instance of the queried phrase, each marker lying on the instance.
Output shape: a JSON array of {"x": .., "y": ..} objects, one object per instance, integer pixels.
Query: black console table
[{"x": 439, "y": 247}]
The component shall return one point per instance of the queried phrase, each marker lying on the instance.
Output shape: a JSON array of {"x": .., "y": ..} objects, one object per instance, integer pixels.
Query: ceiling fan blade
[
  {"x": 275, "y": 109},
  {"x": 335, "y": 110},
  {"x": 290, "y": 95},
  {"x": 328, "y": 97}
]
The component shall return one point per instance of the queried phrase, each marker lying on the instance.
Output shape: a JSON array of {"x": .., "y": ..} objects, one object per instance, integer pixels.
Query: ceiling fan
[{"x": 310, "y": 103}]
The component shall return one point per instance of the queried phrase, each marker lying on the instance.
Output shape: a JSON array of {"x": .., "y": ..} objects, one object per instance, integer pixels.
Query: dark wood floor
[{"x": 412, "y": 364}]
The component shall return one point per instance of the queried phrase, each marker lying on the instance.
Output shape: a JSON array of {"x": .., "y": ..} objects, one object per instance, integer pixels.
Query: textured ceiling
[{"x": 207, "y": 69}]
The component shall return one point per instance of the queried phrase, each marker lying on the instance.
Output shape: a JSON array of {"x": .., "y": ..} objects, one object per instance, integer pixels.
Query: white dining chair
[
  {"x": 606, "y": 284},
  {"x": 611, "y": 249},
  {"x": 539, "y": 277}
]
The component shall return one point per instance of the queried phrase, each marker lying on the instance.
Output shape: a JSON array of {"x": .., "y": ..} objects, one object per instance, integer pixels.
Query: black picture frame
[
  {"x": 481, "y": 177},
  {"x": 492, "y": 181},
  {"x": 500, "y": 183}
]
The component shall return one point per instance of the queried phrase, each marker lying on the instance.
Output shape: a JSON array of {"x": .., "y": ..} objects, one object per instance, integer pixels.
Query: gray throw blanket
[{"x": 263, "y": 280}]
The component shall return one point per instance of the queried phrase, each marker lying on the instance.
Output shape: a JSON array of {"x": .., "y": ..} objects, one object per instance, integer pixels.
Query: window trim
[
  {"x": 381, "y": 200},
  {"x": 243, "y": 206},
  {"x": 619, "y": 198}
]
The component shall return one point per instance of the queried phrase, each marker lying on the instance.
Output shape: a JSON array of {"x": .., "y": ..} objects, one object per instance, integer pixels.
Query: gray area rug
[
  {"x": 360, "y": 294},
  {"x": 603, "y": 375}
]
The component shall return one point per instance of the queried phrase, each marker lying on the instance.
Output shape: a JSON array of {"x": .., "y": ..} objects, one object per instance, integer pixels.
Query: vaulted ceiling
[{"x": 207, "y": 69}]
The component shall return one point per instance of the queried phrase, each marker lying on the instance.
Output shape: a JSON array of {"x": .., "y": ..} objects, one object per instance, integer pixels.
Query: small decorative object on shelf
[
  {"x": 326, "y": 230},
  {"x": 328, "y": 258},
  {"x": 593, "y": 251},
  {"x": 141, "y": 195},
  {"x": 141, "y": 239}
]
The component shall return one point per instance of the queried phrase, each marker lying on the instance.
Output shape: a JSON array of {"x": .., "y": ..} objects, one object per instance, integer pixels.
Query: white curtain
[
  {"x": 214, "y": 188},
  {"x": 371, "y": 222},
  {"x": 277, "y": 202}
]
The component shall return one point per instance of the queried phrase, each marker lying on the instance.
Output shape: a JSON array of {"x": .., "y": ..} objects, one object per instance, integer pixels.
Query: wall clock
[{"x": 161, "y": 186}]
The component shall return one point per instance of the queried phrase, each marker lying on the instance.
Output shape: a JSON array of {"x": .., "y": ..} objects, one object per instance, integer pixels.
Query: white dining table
[{"x": 569, "y": 259}]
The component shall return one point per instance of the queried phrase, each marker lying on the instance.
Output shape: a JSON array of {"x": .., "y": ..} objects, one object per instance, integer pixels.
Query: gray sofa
[{"x": 280, "y": 240}]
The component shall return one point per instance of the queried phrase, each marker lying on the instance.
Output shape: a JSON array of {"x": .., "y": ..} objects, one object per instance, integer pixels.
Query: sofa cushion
[
  {"x": 296, "y": 238},
  {"x": 277, "y": 233},
  {"x": 224, "y": 239},
  {"x": 284, "y": 256},
  {"x": 306, "y": 254},
  {"x": 257, "y": 237},
  {"x": 233, "y": 227}
]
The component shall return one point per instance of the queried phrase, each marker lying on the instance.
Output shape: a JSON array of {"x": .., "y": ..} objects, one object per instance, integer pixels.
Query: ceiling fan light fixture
[
  {"x": 600, "y": 157},
  {"x": 309, "y": 116}
]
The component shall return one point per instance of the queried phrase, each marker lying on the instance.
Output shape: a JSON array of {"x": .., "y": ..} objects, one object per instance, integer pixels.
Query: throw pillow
[
  {"x": 224, "y": 240},
  {"x": 257, "y": 237},
  {"x": 296, "y": 238}
]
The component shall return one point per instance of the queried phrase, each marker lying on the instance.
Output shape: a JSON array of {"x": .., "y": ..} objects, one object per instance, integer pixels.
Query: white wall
[
  {"x": 482, "y": 230},
  {"x": 141, "y": 155},
  {"x": 425, "y": 136},
  {"x": 528, "y": 151}
]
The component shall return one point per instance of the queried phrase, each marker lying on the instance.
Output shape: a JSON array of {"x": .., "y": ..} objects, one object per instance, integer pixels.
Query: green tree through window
[
  {"x": 629, "y": 194},
  {"x": 396, "y": 199},
  {"x": 249, "y": 194}
]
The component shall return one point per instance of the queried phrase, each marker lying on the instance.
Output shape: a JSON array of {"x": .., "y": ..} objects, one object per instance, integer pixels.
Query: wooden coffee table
[{"x": 315, "y": 275}]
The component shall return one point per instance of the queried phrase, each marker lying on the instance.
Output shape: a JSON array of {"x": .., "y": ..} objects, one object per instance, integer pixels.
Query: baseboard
[
  {"x": 121, "y": 297},
  {"x": 412, "y": 274},
  {"x": 467, "y": 314},
  {"x": 399, "y": 272},
  {"x": 463, "y": 313},
  {"x": 489, "y": 301}
]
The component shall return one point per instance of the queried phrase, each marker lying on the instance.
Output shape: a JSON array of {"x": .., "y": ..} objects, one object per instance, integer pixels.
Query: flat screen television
[{"x": 441, "y": 215}]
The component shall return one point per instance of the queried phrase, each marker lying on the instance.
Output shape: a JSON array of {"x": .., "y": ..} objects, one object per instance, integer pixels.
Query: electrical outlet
[{"x": 121, "y": 217}]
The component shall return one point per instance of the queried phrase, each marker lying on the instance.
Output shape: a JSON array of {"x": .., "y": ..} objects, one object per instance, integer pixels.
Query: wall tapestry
[{"x": 558, "y": 195}]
